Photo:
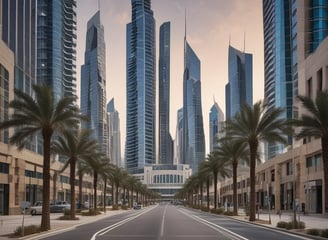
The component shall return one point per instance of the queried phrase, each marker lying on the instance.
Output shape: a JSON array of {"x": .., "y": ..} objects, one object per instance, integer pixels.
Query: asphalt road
[{"x": 167, "y": 222}]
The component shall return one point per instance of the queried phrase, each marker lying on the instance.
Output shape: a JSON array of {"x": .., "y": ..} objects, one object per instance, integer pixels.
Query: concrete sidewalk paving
[
  {"x": 318, "y": 221},
  {"x": 8, "y": 224}
]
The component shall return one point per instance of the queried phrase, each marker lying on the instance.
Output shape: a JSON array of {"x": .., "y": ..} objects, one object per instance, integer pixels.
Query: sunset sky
[{"x": 210, "y": 25}]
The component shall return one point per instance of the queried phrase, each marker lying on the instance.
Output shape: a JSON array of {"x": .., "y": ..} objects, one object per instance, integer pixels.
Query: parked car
[
  {"x": 36, "y": 208},
  {"x": 137, "y": 206},
  {"x": 59, "y": 206}
]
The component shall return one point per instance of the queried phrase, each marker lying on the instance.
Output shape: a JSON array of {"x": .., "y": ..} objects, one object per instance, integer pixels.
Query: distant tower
[
  {"x": 193, "y": 141},
  {"x": 216, "y": 119},
  {"x": 165, "y": 139},
  {"x": 239, "y": 90},
  {"x": 178, "y": 138},
  {"x": 93, "y": 82},
  {"x": 114, "y": 135},
  {"x": 140, "y": 147}
]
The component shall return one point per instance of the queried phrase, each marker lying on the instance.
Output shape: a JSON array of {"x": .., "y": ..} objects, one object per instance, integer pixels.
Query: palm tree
[
  {"x": 76, "y": 146},
  {"x": 207, "y": 176},
  {"x": 253, "y": 125},
  {"x": 219, "y": 167},
  {"x": 117, "y": 177},
  {"x": 314, "y": 123},
  {"x": 95, "y": 165},
  {"x": 131, "y": 181},
  {"x": 233, "y": 152},
  {"x": 46, "y": 115}
]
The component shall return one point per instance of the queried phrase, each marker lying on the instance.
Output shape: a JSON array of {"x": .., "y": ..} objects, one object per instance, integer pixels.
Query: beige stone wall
[{"x": 302, "y": 176}]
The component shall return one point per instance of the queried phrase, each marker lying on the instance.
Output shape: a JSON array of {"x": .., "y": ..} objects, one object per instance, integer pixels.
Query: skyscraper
[
  {"x": 280, "y": 60},
  {"x": 216, "y": 119},
  {"x": 140, "y": 148},
  {"x": 239, "y": 90},
  {"x": 165, "y": 139},
  {"x": 56, "y": 45},
  {"x": 93, "y": 82},
  {"x": 18, "y": 32},
  {"x": 178, "y": 138},
  {"x": 114, "y": 134},
  {"x": 193, "y": 150}
]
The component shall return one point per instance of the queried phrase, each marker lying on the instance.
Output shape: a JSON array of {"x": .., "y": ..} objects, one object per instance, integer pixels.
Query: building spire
[{"x": 244, "y": 41}]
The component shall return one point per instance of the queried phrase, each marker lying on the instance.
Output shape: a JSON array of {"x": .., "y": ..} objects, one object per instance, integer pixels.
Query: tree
[
  {"x": 219, "y": 167},
  {"x": 314, "y": 123},
  {"x": 76, "y": 146},
  {"x": 48, "y": 116},
  {"x": 207, "y": 176},
  {"x": 95, "y": 165},
  {"x": 252, "y": 125},
  {"x": 233, "y": 152}
]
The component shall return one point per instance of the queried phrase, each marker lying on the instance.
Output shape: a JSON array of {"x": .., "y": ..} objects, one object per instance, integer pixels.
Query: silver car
[{"x": 36, "y": 208}]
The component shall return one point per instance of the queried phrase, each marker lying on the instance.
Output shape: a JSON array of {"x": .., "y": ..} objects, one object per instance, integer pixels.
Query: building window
[
  {"x": 309, "y": 88},
  {"x": 289, "y": 168},
  {"x": 4, "y": 167},
  {"x": 272, "y": 175},
  {"x": 4, "y": 102},
  {"x": 314, "y": 162},
  {"x": 319, "y": 80}
]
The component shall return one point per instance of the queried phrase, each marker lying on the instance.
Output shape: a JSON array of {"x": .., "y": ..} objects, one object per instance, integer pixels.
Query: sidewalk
[
  {"x": 9, "y": 223},
  {"x": 318, "y": 221}
]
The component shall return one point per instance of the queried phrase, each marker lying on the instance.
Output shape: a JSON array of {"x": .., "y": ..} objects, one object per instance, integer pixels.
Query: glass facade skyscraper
[
  {"x": 193, "y": 150},
  {"x": 140, "y": 147},
  {"x": 239, "y": 90},
  {"x": 93, "y": 82},
  {"x": 114, "y": 134},
  {"x": 216, "y": 119},
  {"x": 19, "y": 34},
  {"x": 280, "y": 60},
  {"x": 56, "y": 45},
  {"x": 165, "y": 139}
]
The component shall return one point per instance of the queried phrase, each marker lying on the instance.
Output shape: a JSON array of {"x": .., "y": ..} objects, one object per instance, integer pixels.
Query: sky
[{"x": 211, "y": 26}]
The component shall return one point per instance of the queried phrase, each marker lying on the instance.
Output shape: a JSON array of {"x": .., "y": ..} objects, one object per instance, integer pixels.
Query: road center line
[
  {"x": 115, "y": 225},
  {"x": 162, "y": 225}
]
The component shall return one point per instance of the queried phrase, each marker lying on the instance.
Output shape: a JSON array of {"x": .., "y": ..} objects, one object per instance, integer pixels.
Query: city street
[{"x": 169, "y": 222}]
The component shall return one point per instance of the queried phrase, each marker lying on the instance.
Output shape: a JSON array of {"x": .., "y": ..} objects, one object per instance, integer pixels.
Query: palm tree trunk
[
  {"x": 72, "y": 183},
  {"x": 201, "y": 194},
  {"x": 113, "y": 199},
  {"x": 54, "y": 192},
  {"x": 95, "y": 181},
  {"x": 252, "y": 207},
  {"x": 234, "y": 176},
  {"x": 116, "y": 193},
  {"x": 324, "y": 146},
  {"x": 80, "y": 187},
  {"x": 45, "y": 220},
  {"x": 208, "y": 193},
  {"x": 105, "y": 188},
  {"x": 215, "y": 176}
]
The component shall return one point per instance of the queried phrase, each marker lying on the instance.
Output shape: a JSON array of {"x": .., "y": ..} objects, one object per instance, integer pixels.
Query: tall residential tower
[
  {"x": 93, "y": 82},
  {"x": 140, "y": 147},
  {"x": 239, "y": 90},
  {"x": 165, "y": 139},
  {"x": 193, "y": 149},
  {"x": 216, "y": 121},
  {"x": 114, "y": 135}
]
